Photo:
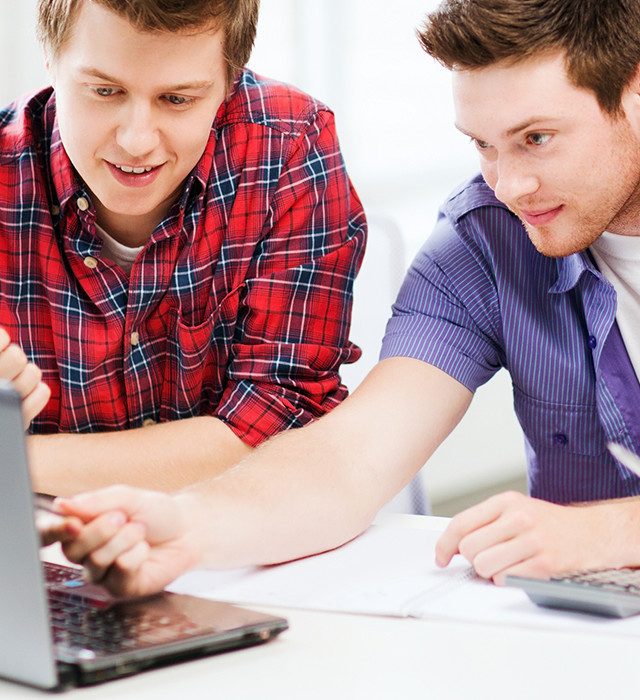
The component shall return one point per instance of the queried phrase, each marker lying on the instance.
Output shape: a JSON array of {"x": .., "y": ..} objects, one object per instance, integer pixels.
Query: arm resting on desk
[
  {"x": 305, "y": 491},
  {"x": 168, "y": 456}
]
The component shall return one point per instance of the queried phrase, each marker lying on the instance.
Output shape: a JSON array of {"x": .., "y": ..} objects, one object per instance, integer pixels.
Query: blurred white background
[{"x": 395, "y": 121}]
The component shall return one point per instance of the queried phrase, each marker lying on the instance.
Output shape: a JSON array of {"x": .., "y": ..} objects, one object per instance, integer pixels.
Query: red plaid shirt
[{"x": 239, "y": 305}]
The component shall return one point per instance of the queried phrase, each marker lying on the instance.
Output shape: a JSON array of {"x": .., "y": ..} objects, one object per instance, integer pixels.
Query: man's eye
[
  {"x": 482, "y": 145},
  {"x": 178, "y": 99},
  {"x": 104, "y": 91},
  {"x": 538, "y": 139}
]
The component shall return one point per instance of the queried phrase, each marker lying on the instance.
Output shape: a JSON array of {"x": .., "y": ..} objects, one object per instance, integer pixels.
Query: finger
[
  {"x": 99, "y": 560},
  {"x": 122, "y": 578},
  {"x": 448, "y": 545},
  {"x": 5, "y": 340},
  {"x": 28, "y": 379},
  {"x": 12, "y": 361},
  {"x": 140, "y": 571},
  {"x": 94, "y": 535},
  {"x": 158, "y": 511},
  {"x": 131, "y": 560},
  {"x": 529, "y": 568},
  {"x": 504, "y": 528},
  {"x": 472, "y": 519},
  {"x": 94, "y": 503},
  {"x": 33, "y": 404},
  {"x": 502, "y": 556},
  {"x": 55, "y": 529}
]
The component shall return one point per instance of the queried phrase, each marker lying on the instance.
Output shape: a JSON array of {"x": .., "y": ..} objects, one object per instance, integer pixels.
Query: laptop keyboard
[
  {"x": 56, "y": 573},
  {"x": 99, "y": 626}
]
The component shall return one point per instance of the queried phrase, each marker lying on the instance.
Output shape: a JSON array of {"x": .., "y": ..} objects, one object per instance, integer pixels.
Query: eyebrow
[
  {"x": 513, "y": 130},
  {"x": 194, "y": 85}
]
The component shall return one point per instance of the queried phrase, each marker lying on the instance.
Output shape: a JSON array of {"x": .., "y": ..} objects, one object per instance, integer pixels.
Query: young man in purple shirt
[{"x": 531, "y": 268}]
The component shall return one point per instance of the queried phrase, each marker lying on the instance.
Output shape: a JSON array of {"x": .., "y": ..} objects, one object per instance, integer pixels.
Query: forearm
[
  {"x": 614, "y": 531},
  {"x": 164, "y": 457},
  {"x": 283, "y": 512},
  {"x": 313, "y": 489}
]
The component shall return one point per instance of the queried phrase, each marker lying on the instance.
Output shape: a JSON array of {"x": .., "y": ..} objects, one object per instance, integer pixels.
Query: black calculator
[{"x": 608, "y": 592}]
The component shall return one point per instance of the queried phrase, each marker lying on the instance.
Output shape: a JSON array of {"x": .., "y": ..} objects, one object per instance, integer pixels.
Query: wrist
[
  {"x": 618, "y": 532},
  {"x": 195, "y": 528}
]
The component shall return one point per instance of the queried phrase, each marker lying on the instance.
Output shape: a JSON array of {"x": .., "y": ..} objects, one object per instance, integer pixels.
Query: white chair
[{"x": 375, "y": 290}]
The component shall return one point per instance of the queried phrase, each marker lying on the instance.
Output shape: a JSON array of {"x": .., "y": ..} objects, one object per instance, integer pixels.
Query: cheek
[
  {"x": 489, "y": 173},
  {"x": 191, "y": 147},
  {"x": 79, "y": 140},
  {"x": 81, "y": 130}
]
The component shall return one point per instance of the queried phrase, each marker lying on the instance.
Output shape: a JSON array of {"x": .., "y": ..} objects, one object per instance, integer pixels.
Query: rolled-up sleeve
[{"x": 292, "y": 331}]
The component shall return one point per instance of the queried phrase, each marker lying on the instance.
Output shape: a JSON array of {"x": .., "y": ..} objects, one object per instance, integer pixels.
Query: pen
[
  {"x": 46, "y": 504},
  {"x": 627, "y": 458}
]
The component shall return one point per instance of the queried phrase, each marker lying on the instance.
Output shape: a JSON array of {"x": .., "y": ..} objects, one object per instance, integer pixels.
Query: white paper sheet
[{"x": 389, "y": 571}]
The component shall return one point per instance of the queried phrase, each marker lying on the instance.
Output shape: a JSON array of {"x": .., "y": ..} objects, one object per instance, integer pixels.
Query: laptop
[{"x": 58, "y": 631}]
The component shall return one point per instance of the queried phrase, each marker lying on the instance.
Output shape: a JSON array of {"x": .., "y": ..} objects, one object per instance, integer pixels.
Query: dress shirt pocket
[{"x": 555, "y": 426}]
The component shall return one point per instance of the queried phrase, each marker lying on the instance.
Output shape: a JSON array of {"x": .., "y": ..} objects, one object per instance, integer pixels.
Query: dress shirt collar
[{"x": 571, "y": 269}]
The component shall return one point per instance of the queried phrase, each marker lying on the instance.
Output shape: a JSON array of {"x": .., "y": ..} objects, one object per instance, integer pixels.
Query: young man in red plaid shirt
[{"x": 179, "y": 243}]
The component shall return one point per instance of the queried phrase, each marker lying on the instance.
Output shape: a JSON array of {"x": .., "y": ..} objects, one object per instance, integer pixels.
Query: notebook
[{"x": 58, "y": 631}]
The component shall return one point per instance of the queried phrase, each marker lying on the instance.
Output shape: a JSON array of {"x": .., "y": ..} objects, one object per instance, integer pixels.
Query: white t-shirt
[
  {"x": 618, "y": 258},
  {"x": 120, "y": 254}
]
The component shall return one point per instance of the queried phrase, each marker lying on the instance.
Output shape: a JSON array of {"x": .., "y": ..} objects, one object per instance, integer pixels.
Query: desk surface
[{"x": 326, "y": 655}]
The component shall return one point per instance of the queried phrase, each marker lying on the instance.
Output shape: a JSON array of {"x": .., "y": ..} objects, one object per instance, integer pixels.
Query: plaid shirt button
[
  {"x": 135, "y": 338},
  {"x": 90, "y": 262},
  {"x": 83, "y": 203}
]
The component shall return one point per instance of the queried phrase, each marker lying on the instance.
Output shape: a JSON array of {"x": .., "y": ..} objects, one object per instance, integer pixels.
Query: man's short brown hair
[
  {"x": 238, "y": 20},
  {"x": 599, "y": 38}
]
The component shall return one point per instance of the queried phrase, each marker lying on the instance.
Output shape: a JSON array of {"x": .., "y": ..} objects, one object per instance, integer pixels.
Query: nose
[
  {"x": 138, "y": 133},
  {"x": 513, "y": 179}
]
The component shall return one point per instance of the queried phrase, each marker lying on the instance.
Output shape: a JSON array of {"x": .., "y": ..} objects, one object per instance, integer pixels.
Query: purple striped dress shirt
[{"x": 479, "y": 297}]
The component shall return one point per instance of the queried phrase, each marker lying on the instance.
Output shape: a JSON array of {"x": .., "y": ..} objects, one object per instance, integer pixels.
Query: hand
[
  {"x": 134, "y": 542},
  {"x": 512, "y": 534},
  {"x": 25, "y": 377}
]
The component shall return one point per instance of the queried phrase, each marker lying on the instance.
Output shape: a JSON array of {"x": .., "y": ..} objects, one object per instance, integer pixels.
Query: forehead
[
  {"x": 503, "y": 95},
  {"x": 99, "y": 33}
]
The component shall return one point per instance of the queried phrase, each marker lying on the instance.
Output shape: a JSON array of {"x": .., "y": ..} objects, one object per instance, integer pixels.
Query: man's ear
[
  {"x": 48, "y": 64},
  {"x": 630, "y": 98}
]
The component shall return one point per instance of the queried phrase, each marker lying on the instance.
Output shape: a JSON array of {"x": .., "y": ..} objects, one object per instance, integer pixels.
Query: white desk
[{"x": 328, "y": 656}]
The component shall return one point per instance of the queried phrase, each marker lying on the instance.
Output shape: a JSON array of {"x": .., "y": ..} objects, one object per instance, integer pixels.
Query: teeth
[{"x": 135, "y": 171}]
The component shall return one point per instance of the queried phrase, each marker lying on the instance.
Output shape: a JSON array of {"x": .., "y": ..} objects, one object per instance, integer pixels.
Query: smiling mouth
[
  {"x": 134, "y": 170},
  {"x": 540, "y": 218}
]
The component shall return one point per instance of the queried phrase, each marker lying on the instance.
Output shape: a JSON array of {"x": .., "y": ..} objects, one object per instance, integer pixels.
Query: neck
[{"x": 129, "y": 230}]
